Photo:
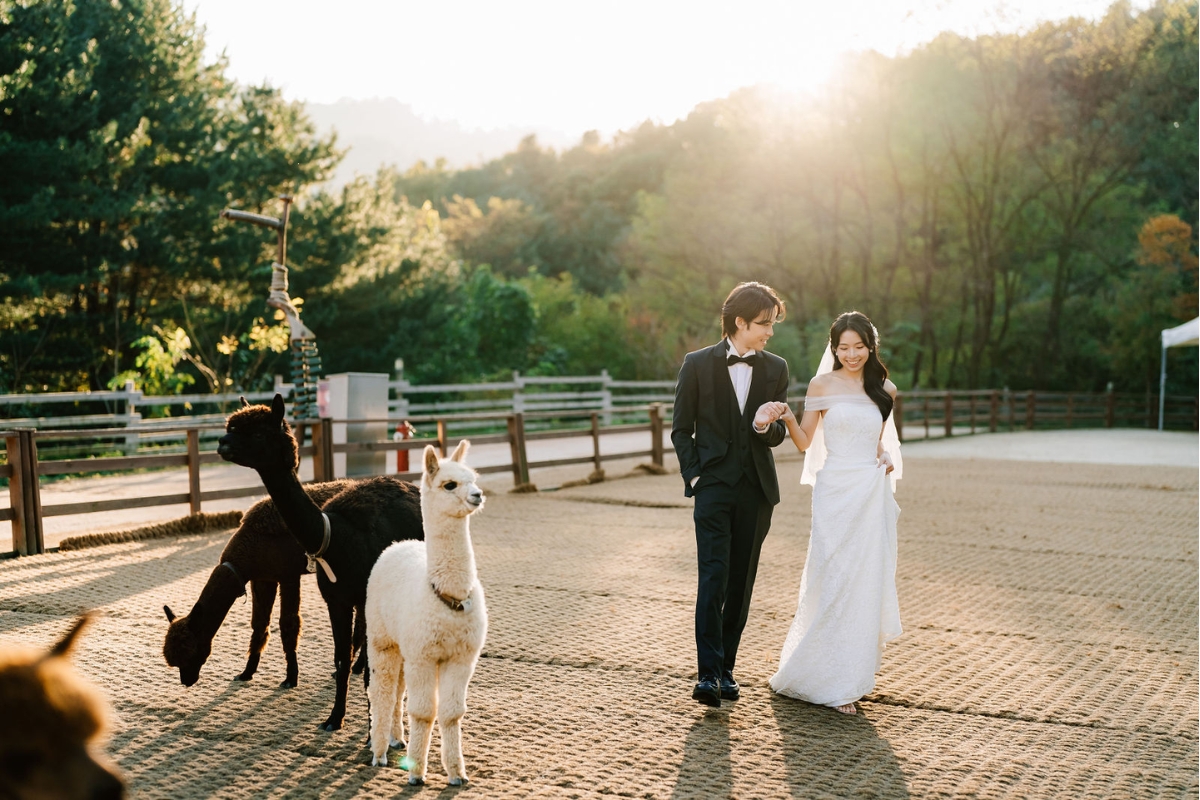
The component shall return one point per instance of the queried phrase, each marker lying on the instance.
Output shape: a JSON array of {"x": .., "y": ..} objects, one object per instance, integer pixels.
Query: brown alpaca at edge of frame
[
  {"x": 53, "y": 720},
  {"x": 263, "y": 553},
  {"x": 348, "y": 532}
]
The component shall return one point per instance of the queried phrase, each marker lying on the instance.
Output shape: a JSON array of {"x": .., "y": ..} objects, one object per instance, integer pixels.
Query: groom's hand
[{"x": 766, "y": 414}]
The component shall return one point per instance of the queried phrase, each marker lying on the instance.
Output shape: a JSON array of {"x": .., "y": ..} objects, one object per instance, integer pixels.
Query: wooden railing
[
  {"x": 952, "y": 413},
  {"x": 924, "y": 414},
  {"x": 24, "y": 470}
]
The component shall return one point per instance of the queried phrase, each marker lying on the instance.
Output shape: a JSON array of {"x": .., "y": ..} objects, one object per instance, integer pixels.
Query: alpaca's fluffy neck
[
  {"x": 301, "y": 515},
  {"x": 217, "y": 597},
  {"x": 449, "y": 557}
]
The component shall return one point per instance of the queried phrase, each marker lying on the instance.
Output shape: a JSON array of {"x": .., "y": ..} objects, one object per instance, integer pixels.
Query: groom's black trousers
[{"x": 731, "y": 523}]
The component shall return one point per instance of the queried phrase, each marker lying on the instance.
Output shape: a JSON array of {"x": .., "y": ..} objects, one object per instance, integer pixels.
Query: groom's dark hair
[{"x": 748, "y": 300}]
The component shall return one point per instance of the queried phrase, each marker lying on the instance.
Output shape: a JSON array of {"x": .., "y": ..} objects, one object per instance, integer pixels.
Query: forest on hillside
[{"x": 1011, "y": 210}]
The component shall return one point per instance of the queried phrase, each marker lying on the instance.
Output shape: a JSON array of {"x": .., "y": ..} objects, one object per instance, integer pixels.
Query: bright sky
[{"x": 571, "y": 65}]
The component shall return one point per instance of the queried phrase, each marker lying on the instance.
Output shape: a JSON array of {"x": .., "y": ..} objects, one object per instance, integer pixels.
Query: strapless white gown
[{"x": 848, "y": 608}]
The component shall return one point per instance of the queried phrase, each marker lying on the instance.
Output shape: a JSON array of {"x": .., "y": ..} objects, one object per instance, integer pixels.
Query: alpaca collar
[
  {"x": 237, "y": 575},
  {"x": 453, "y": 603},
  {"x": 315, "y": 558}
]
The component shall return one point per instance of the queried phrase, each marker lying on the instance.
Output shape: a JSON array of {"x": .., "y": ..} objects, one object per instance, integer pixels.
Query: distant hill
[{"x": 386, "y": 131}]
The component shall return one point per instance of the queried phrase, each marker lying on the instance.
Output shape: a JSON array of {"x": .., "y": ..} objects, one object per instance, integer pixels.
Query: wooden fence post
[
  {"x": 31, "y": 497},
  {"x": 1070, "y": 408},
  {"x": 949, "y": 413},
  {"x": 925, "y": 414},
  {"x": 16, "y": 491},
  {"x": 606, "y": 398},
  {"x": 322, "y": 439},
  {"x": 1030, "y": 408},
  {"x": 1110, "y": 409},
  {"x": 656, "y": 432},
  {"x": 973, "y": 400},
  {"x": 516, "y": 441},
  {"x": 596, "y": 441},
  {"x": 897, "y": 417},
  {"x": 193, "y": 465},
  {"x": 994, "y": 412}
]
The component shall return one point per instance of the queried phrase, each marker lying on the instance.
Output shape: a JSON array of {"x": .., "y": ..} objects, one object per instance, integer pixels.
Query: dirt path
[{"x": 1050, "y": 650}]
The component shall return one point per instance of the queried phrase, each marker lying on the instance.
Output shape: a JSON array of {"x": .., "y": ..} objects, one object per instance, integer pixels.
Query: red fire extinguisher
[{"x": 404, "y": 430}]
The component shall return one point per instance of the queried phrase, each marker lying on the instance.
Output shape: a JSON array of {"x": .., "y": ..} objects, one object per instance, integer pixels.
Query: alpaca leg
[
  {"x": 263, "y": 594},
  {"x": 359, "y": 646},
  {"x": 421, "y": 680},
  {"x": 289, "y": 627},
  {"x": 382, "y": 697},
  {"x": 398, "y": 713},
  {"x": 341, "y": 620},
  {"x": 452, "y": 704}
]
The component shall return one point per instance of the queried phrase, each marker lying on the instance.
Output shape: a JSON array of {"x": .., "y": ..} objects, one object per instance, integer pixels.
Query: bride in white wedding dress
[{"x": 848, "y": 608}]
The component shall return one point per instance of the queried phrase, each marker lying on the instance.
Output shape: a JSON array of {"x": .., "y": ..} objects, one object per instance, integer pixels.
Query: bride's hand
[
  {"x": 787, "y": 412},
  {"x": 886, "y": 459}
]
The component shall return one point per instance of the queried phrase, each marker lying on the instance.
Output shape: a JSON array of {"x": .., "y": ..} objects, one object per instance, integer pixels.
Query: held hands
[{"x": 772, "y": 412}]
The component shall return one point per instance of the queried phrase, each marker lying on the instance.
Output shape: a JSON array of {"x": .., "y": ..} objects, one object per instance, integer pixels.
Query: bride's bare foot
[{"x": 847, "y": 709}]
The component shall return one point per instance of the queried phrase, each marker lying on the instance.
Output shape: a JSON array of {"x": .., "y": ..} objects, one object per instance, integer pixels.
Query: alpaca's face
[
  {"x": 448, "y": 485},
  {"x": 184, "y": 649},
  {"x": 260, "y": 438},
  {"x": 49, "y": 752}
]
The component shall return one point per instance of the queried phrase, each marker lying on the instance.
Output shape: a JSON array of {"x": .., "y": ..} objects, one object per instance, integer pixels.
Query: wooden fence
[
  {"x": 925, "y": 414},
  {"x": 919, "y": 414},
  {"x": 24, "y": 470}
]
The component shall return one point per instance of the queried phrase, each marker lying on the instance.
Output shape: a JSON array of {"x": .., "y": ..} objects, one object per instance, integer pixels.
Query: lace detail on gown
[{"x": 848, "y": 608}]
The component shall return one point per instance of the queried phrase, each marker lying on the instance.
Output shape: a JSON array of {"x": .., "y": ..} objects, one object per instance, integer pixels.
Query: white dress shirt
[{"x": 740, "y": 375}]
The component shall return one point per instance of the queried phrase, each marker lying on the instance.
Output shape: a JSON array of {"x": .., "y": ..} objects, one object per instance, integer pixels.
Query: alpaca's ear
[
  {"x": 68, "y": 641},
  {"x": 245, "y": 402},
  {"x": 277, "y": 408},
  {"x": 431, "y": 461},
  {"x": 460, "y": 452},
  {"x": 170, "y": 613}
]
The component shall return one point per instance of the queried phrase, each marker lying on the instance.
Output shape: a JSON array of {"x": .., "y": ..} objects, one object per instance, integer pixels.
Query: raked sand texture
[{"x": 1050, "y": 650}]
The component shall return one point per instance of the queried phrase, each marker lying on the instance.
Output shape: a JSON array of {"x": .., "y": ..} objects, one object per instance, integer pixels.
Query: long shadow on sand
[
  {"x": 828, "y": 754},
  {"x": 706, "y": 771},
  {"x": 27, "y": 591}
]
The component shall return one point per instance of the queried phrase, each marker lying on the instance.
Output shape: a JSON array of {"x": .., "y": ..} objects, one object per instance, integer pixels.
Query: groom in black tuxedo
[{"x": 727, "y": 466}]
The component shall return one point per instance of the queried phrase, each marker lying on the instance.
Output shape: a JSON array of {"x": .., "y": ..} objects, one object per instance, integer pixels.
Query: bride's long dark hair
[{"x": 874, "y": 372}]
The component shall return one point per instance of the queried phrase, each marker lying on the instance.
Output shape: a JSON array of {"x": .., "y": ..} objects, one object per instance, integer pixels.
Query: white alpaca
[{"x": 426, "y": 622}]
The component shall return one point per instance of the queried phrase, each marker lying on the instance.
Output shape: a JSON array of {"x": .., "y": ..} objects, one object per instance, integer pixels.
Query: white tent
[{"x": 1185, "y": 335}]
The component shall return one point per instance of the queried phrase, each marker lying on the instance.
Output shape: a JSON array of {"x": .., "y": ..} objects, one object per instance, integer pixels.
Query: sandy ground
[{"x": 1050, "y": 650}]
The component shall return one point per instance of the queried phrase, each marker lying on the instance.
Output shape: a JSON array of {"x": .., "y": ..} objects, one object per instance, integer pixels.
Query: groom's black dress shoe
[
  {"x": 729, "y": 687},
  {"x": 708, "y": 692}
]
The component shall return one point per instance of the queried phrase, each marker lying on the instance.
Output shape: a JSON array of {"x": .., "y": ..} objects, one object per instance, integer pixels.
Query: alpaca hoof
[
  {"x": 459, "y": 781},
  {"x": 399, "y": 744},
  {"x": 330, "y": 725},
  {"x": 287, "y": 683},
  {"x": 413, "y": 780},
  {"x": 245, "y": 676},
  {"x": 379, "y": 761}
]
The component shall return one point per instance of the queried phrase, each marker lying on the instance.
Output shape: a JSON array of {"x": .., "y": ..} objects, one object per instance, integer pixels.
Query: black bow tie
[{"x": 746, "y": 359}]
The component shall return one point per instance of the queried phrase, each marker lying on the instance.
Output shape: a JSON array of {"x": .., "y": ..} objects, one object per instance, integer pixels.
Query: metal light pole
[{"x": 306, "y": 359}]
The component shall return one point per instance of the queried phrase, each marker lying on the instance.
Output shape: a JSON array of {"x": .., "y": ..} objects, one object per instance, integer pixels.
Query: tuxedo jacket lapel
[{"x": 724, "y": 398}]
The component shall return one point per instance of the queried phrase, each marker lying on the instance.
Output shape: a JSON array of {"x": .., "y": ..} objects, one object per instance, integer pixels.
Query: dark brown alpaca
[
  {"x": 363, "y": 521},
  {"x": 52, "y": 722},
  {"x": 263, "y": 553}
]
